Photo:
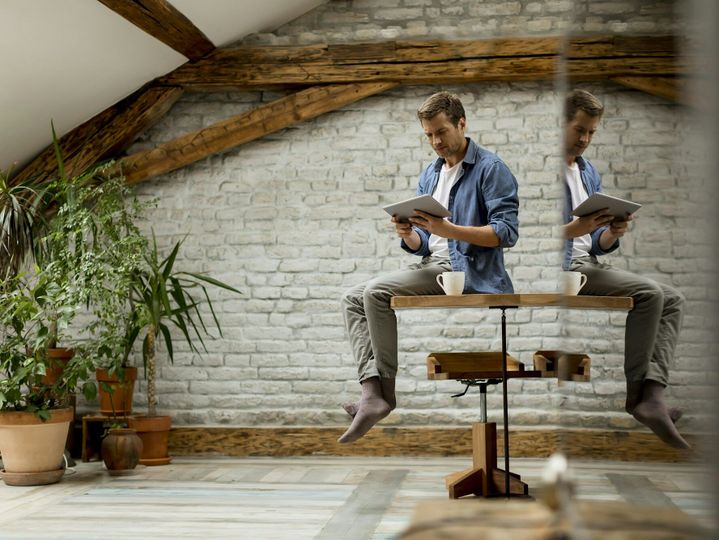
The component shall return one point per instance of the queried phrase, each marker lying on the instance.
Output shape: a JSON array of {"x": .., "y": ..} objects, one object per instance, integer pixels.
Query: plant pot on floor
[
  {"x": 117, "y": 401},
  {"x": 121, "y": 450},
  {"x": 32, "y": 450},
  {"x": 154, "y": 432}
]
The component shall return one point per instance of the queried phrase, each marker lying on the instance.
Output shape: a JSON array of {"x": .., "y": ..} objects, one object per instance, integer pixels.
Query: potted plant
[
  {"x": 34, "y": 416},
  {"x": 81, "y": 232},
  {"x": 162, "y": 297},
  {"x": 82, "y": 236},
  {"x": 121, "y": 447}
]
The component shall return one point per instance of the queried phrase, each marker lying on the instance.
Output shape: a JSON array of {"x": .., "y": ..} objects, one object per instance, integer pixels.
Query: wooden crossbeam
[
  {"x": 165, "y": 23},
  {"x": 245, "y": 127},
  {"x": 666, "y": 87},
  {"x": 427, "y": 62},
  {"x": 105, "y": 134},
  {"x": 350, "y": 72}
]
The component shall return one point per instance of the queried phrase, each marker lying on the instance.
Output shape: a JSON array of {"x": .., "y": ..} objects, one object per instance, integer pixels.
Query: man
[
  {"x": 481, "y": 194},
  {"x": 652, "y": 326}
]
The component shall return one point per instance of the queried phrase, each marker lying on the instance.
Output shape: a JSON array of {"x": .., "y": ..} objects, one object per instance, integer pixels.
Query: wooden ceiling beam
[
  {"x": 104, "y": 135},
  {"x": 165, "y": 23},
  {"x": 666, "y": 87},
  {"x": 245, "y": 127},
  {"x": 428, "y": 62},
  {"x": 350, "y": 72}
]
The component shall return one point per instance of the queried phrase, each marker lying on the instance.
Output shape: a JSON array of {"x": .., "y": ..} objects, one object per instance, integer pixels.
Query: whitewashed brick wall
[{"x": 295, "y": 218}]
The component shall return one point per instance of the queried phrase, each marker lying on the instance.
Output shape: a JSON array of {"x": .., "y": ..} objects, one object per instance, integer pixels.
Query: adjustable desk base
[
  {"x": 484, "y": 479},
  {"x": 503, "y": 302}
]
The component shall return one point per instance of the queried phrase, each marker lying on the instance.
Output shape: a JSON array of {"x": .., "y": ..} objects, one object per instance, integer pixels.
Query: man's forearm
[
  {"x": 479, "y": 236},
  {"x": 568, "y": 231},
  {"x": 607, "y": 240},
  {"x": 413, "y": 241}
]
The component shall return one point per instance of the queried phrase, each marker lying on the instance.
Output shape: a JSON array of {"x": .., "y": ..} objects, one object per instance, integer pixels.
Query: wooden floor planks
[{"x": 298, "y": 498}]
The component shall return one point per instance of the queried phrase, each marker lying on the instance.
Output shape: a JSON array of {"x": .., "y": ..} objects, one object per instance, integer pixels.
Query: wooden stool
[{"x": 483, "y": 479}]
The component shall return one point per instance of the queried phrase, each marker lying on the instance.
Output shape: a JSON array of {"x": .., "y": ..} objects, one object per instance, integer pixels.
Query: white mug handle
[
  {"x": 582, "y": 282},
  {"x": 440, "y": 282}
]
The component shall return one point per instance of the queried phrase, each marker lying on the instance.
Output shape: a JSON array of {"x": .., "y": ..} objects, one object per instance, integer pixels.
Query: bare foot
[
  {"x": 351, "y": 408},
  {"x": 674, "y": 413},
  {"x": 370, "y": 411},
  {"x": 655, "y": 415}
]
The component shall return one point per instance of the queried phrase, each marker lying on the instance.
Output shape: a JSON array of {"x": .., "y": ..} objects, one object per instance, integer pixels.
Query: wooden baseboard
[{"x": 417, "y": 441}]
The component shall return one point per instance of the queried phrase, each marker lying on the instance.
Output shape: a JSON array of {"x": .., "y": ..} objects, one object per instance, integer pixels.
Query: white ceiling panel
[
  {"x": 68, "y": 60},
  {"x": 241, "y": 17}
]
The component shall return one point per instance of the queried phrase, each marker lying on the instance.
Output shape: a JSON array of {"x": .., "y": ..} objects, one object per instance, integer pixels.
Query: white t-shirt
[
  {"x": 582, "y": 244},
  {"x": 448, "y": 176}
]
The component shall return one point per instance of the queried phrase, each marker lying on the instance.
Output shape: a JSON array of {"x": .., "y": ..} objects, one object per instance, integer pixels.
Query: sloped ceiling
[{"x": 67, "y": 60}]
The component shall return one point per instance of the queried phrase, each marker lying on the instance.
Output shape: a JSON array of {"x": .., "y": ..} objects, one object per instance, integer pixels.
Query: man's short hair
[
  {"x": 442, "y": 102},
  {"x": 581, "y": 100}
]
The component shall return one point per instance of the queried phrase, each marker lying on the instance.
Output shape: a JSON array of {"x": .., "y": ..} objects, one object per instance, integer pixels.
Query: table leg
[{"x": 504, "y": 403}]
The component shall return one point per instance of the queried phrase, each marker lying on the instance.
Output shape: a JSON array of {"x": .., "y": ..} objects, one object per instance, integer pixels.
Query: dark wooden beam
[
  {"x": 429, "y": 62},
  {"x": 104, "y": 135},
  {"x": 245, "y": 127},
  {"x": 649, "y": 63},
  {"x": 666, "y": 87},
  {"x": 165, "y": 23}
]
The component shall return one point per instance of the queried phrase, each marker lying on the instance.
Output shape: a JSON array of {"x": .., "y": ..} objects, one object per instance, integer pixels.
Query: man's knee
[
  {"x": 649, "y": 292},
  {"x": 674, "y": 297},
  {"x": 352, "y": 297},
  {"x": 376, "y": 290}
]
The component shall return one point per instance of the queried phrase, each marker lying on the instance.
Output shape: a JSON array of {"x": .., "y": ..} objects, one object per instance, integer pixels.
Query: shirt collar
[{"x": 470, "y": 156}]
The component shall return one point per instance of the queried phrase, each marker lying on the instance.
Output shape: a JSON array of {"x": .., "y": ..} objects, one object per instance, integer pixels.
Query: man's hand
[
  {"x": 616, "y": 230},
  {"x": 407, "y": 233},
  {"x": 404, "y": 230},
  {"x": 587, "y": 224},
  {"x": 618, "y": 227},
  {"x": 432, "y": 224}
]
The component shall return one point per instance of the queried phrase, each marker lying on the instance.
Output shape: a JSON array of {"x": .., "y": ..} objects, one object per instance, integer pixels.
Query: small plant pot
[
  {"x": 118, "y": 401},
  {"x": 121, "y": 450},
  {"x": 154, "y": 432}
]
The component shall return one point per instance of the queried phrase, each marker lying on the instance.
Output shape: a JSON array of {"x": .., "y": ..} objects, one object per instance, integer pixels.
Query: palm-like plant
[
  {"x": 20, "y": 214},
  {"x": 161, "y": 296}
]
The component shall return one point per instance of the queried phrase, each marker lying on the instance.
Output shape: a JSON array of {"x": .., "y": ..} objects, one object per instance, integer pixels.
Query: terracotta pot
[
  {"x": 154, "y": 432},
  {"x": 121, "y": 450},
  {"x": 32, "y": 448},
  {"x": 121, "y": 396},
  {"x": 57, "y": 361}
]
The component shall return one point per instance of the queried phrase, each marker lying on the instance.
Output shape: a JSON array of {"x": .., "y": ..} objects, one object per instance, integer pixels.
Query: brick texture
[{"x": 295, "y": 218}]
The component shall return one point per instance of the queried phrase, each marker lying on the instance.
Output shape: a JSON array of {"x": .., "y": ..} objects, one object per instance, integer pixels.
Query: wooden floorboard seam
[{"x": 362, "y": 512}]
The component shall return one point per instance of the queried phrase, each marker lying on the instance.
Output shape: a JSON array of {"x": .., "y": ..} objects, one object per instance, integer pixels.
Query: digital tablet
[
  {"x": 406, "y": 209},
  {"x": 617, "y": 207}
]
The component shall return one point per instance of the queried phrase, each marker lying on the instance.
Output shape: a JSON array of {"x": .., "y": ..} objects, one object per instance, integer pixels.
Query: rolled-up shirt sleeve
[
  {"x": 423, "y": 249},
  {"x": 500, "y": 196}
]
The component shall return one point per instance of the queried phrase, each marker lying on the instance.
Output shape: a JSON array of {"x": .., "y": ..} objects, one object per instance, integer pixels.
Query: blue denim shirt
[
  {"x": 484, "y": 194},
  {"x": 592, "y": 183}
]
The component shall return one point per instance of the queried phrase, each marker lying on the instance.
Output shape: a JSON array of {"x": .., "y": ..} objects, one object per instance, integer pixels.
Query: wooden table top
[
  {"x": 512, "y": 300},
  {"x": 499, "y": 519}
]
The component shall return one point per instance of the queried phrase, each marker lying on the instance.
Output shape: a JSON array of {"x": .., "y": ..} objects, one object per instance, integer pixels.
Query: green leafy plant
[
  {"x": 163, "y": 297},
  {"x": 25, "y": 333},
  {"x": 82, "y": 233},
  {"x": 21, "y": 208}
]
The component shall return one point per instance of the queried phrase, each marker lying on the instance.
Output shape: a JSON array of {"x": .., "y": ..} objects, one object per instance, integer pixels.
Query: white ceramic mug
[
  {"x": 452, "y": 283},
  {"x": 572, "y": 282}
]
